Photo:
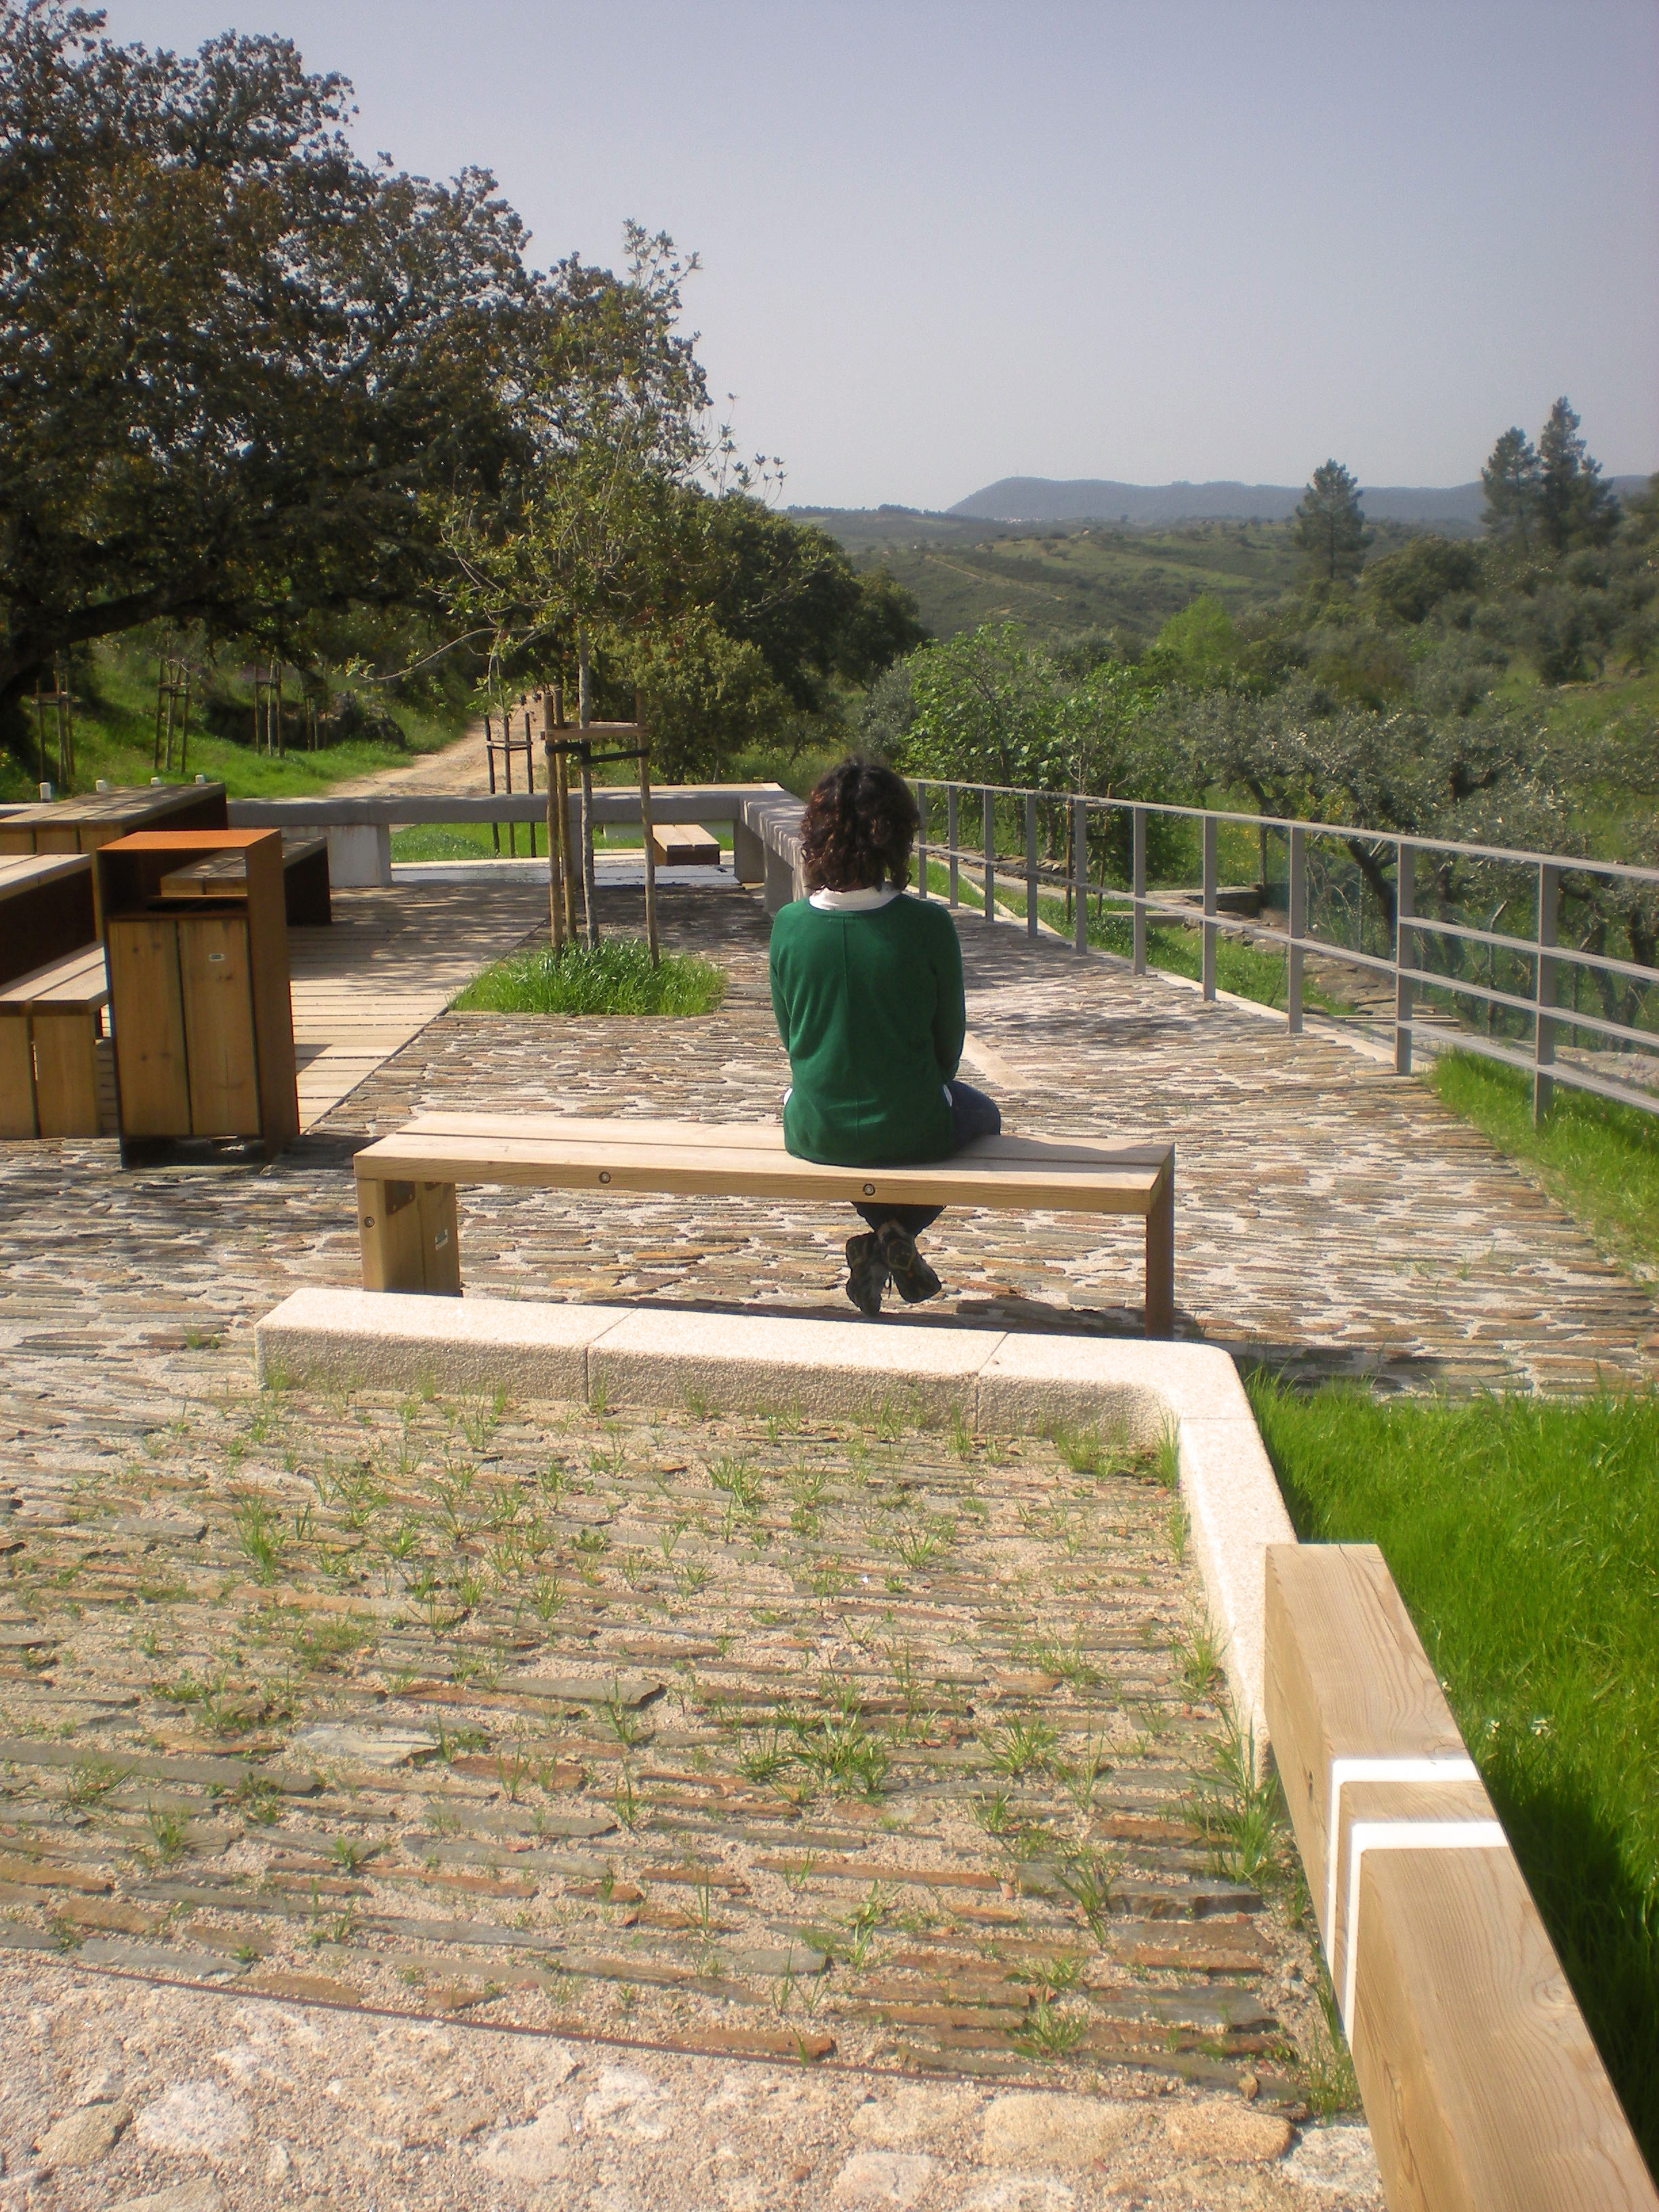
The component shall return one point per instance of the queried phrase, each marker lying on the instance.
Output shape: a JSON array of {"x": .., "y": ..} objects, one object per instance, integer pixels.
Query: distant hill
[{"x": 1082, "y": 499}]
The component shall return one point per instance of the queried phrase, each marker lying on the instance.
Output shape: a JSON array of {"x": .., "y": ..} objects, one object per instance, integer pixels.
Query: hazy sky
[{"x": 1140, "y": 239}]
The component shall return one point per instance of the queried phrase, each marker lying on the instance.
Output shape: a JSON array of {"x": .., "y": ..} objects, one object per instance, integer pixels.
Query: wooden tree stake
[
  {"x": 554, "y": 840},
  {"x": 643, "y": 743},
  {"x": 584, "y": 719}
]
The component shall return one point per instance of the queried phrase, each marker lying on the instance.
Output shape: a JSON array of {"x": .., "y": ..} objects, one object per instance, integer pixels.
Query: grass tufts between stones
[
  {"x": 614, "y": 977},
  {"x": 1524, "y": 1535}
]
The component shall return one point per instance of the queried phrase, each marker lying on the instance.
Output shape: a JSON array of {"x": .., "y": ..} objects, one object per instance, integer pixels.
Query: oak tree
[{"x": 235, "y": 361}]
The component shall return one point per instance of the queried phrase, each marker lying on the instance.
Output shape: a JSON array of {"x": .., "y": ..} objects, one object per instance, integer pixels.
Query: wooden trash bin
[{"x": 199, "y": 995}]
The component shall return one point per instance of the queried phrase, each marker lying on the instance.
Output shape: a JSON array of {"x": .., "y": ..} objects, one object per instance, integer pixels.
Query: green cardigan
[{"x": 870, "y": 1007}]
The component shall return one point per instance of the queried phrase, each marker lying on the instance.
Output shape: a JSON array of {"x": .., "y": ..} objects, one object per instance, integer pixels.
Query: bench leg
[
  {"x": 440, "y": 1239},
  {"x": 408, "y": 1237},
  {"x": 66, "y": 1074},
  {"x": 16, "y": 1078},
  {"x": 1160, "y": 1261}
]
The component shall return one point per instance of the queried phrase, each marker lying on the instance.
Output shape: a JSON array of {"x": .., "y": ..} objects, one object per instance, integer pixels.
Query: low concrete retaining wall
[
  {"x": 764, "y": 817},
  {"x": 996, "y": 1381}
]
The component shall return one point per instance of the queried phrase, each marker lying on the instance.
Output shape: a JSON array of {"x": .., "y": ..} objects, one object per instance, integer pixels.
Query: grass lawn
[
  {"x": 615, "y": 977},
  {"x": 115, "y": 737},
  {"x": 471, "y": 840},
  {"x": 1599, "y": 1159},
  {"x": 1524, "y": 1536},
  {"x": 1245, "y": 969}
]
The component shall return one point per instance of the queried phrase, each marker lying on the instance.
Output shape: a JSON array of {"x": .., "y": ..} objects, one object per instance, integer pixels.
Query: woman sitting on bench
[{"x": 866, "y": 987}]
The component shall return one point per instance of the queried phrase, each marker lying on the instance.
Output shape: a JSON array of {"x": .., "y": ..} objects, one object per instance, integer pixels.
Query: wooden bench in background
[
  {"x": 1484, "y": 2091},
  {"x": 685, "y": 844},
  {"x": 224, "y": 875},
  {"x": 49, "y": 1031},
  {"x": 52, "y": 991},
  {"x": 406, "y": 1183}
]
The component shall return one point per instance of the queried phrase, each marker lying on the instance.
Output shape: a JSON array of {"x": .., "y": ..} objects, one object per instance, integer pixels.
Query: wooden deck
[{"x": 389, "y": 963}]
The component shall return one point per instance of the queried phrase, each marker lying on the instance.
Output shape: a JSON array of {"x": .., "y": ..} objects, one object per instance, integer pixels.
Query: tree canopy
[
  {"x": 253, "y": 383},
  {"x": 236, "y": 360}
]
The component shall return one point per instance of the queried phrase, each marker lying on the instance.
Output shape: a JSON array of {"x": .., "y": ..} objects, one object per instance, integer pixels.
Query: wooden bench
[
  {"x": 1484, "y": 2091},
  {"x": 406, "y": 1215},
  {"x": 224, "y": 875},
  {"x": 49, "y": 1031},
  {"x": 685, "y": 844}
]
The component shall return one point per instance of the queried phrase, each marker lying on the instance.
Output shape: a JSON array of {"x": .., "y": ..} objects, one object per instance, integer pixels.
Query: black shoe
[
  {"x": 867, "y": 1274},
  {"x": 913, "y": 1278}
]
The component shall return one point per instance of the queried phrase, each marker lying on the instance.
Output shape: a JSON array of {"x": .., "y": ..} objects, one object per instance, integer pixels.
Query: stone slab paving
[
  {"x": 872, "y": 1669},
  {"x": 1332, "y": 1219},
  {"x": 883, "y": 1754},
  {"x": 797, "y": 1738}
]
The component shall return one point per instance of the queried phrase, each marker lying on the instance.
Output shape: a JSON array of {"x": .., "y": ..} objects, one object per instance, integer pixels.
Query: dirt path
[{"x": 458, "y": 767}]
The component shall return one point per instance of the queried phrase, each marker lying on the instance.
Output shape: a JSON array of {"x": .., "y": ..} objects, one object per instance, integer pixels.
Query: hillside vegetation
[{"x": 1064, "y": 578}]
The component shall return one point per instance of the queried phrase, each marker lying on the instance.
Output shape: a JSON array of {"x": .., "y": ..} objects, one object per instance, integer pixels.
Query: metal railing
[{"x": 1414, "y": 907}]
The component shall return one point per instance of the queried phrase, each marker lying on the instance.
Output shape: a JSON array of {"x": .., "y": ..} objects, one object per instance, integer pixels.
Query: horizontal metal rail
[
  {"x": 1286, "y": 823},
  {"x": 1399, "y": 851}
]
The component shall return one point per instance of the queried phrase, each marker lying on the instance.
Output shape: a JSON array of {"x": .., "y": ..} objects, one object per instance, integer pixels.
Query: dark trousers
[{"x": 972, "y": 1114}]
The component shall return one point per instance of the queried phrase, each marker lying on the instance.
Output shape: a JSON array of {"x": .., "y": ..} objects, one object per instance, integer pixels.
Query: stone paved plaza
[
  {"x": 551, "y": 1807},
  {"x": 1332, "y": 1219}
]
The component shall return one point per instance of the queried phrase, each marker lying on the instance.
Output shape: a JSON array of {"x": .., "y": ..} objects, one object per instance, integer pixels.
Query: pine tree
[
  {"x": 1512, "y": 486},
  {"x": 1575, "y": 506},
  {"x": 1331, "y": 524}
]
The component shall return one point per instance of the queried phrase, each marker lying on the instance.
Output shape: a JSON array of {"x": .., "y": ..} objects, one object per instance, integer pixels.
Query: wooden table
[
  {"x": 83, "y": 825},
  {"x": 51, "y": 993}
]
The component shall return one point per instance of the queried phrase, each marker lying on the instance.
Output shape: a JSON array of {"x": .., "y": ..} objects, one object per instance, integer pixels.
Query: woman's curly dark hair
[{"x": 860, "y": 824}]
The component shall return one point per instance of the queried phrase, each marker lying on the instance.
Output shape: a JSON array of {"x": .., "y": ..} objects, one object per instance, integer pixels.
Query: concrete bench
[
  {"x": 406, "y": 1183},
  {"x": 49, "y": 1030},
  {"x": 685, "y": 844},
  {"x": 224, "y": 875}
]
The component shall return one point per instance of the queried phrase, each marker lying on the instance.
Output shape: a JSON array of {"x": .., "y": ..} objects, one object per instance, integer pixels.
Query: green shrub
[{"x": 615, "y": 977}]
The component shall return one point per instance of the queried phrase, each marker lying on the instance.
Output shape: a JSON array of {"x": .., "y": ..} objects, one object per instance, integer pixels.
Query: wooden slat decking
[{"x": 390, "y": 963}]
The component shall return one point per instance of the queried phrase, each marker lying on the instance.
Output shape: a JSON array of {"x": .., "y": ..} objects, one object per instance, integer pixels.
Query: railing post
[
  {"x": 990, "y": 856},
  {"x": 1549, "y": 921},
  {"x": 921, "y": 838},
  {"x": 1298, "y": 926},
  {"x": 1405, "y": 953},
  {"x": 1080, "y": 870},
  {"x": 1138, "y": 886},
  {"x": 1211, "y": 864},
  {"x": 1030, "y": 864},
  {"x": 950, "y": 835}
]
